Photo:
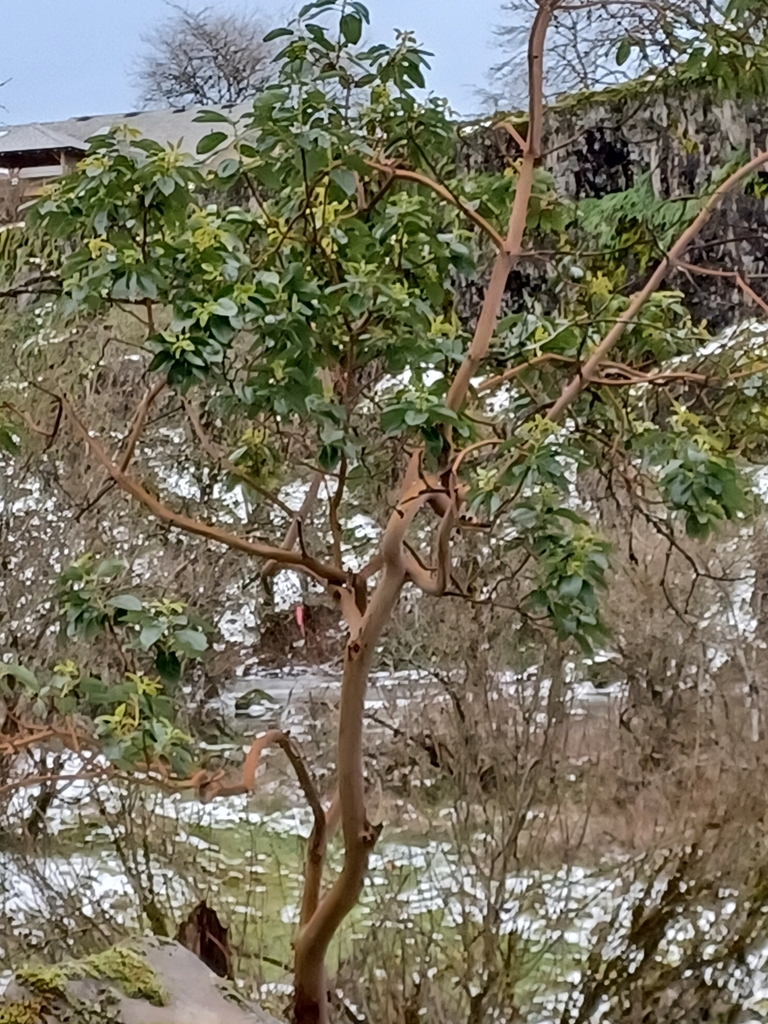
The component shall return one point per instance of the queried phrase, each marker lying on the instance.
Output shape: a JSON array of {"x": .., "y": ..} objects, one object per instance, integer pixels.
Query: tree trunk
[{"x": 310, "y": 1000}]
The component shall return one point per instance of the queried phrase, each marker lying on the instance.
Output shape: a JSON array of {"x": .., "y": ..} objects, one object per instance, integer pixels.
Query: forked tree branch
[
  {"x": 345, "y": 597},
  {"x": 139, "y": 422},
  {"x": 509, "y": 255},
  {"x": 359, "y": 835},
  {"x": 292, "y": 534},
  {"x": 295, "y": 560},
  {"x": 434, "y": 582}
]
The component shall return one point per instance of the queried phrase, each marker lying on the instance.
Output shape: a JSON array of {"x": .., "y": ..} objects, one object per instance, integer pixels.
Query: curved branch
[
  {"x": 659, "y": 379},
  {"x": 514, "y": 371},
  {"x": 334, "y": 501},
  {"x": 318, "y": 842},
  {"x": 30, "y": 423},
  {"x": 421, "y": 179},
  {"x": 750, "y": 293},
  {"x": 194, "y": 526},
  {"x": 415, "y": 498},
  {"x": 139, "y": 422},
  {"x": 486, "y": 443},
  {"x": 434, "y": 582},
  {"x": 209, "y": 788}
]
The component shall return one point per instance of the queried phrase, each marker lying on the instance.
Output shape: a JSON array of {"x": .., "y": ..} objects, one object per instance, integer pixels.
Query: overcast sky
[{"x": 73, "y": 57}]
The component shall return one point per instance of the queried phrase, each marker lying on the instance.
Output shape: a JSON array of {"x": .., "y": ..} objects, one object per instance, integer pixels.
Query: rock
[
  {"x": 605, "y": 142},
  {"x": 195, "y": 995}
]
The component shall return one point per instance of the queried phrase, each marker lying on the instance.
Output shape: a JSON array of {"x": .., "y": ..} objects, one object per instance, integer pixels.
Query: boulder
[{"x": 192, "y": 993}]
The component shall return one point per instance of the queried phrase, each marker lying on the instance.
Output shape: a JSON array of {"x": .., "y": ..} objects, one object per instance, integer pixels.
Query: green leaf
[
  {"x": 159, "y": 359},
  {"x": 166, "y": 185},
  {"x": 570, "y": 587},
  {"x": 316, "y": 5},
  {"x": 599, "y": 559},
  {"x": 227, "y": 168},
  {"x": 126, "y": 602},
  {"x": 566, "y": 513},
  {"x": 317, "y": 32},
  {"x": 225, "y": 307},
  {"x": 351, "y": 26},
  {"x": 65, "y": 705},
  {"x": 345, "y": 179},
  {"x": 191, "y": 642},
  {"x": 214, "y": 115},
  {"x": 24, "y": 675},
  {"x": 8, "y": 442},
  {"x": 525, "y": 518},
  {"x": 95, "y": 691},
  {"x": 168, "y": 665},
  {"x": 211, "y": 141},
  {"x": 328, "y": 457},
  {"x": 623, "y": 52},
  {"x": 109, "y": 567},
  {"x": 698, "y": 527},
  {"x": 277, "y": 33},
  {"x": 412, "y": 72},
  {"x": 415, "y": 417},
  {"x": 150, "y": 634}
]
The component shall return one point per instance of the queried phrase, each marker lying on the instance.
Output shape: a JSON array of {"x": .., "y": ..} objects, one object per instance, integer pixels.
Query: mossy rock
[
  {"x": 151, "y": 982},
  {"x": 123, "y": 967},
  {"x": 22, "y": 1011}
]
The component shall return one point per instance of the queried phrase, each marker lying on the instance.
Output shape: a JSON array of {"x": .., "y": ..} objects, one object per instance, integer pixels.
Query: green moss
[
  {"x": 47, "y": 981},
  {"x": 129, "y": 971},
  {"x": 122, "y": 966},
  {"x": 22, "y": 1011}
]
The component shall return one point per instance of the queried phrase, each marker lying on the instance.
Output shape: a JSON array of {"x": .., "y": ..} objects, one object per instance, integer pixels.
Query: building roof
[
  {"x": 164, "y": 126},
  {"x": 33, "y": 138}
]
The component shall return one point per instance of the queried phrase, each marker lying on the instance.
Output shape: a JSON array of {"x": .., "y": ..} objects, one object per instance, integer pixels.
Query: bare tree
[
  {"x": 596, "y": 45},
  {"x": 206, "y": 57}
]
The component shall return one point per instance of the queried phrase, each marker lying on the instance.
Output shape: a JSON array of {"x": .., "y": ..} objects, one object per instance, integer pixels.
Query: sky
[{"x": 65, "y": 58}]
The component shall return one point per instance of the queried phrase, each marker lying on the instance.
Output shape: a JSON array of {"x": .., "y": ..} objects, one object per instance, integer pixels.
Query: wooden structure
[{"x": 31, "y": 154}]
